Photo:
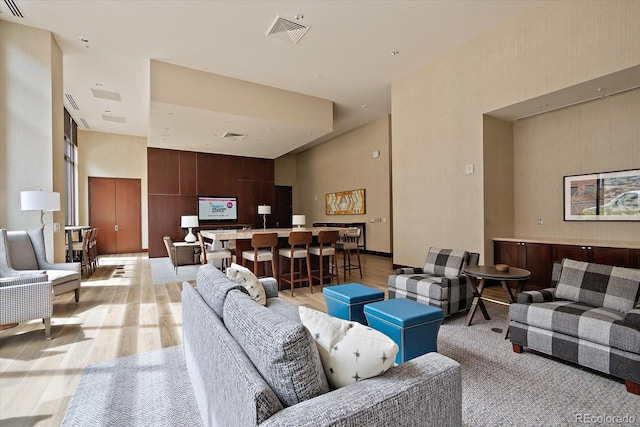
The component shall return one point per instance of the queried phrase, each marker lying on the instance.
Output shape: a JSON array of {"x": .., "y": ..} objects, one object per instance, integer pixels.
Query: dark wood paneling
[
  {"x": 177, "y": 177},
  {"x": 540, "y": 263},
  {"x": 634, "y": 258},
  {"x": 188, "y": 173},
  {"x": 163, "y": 170},
  {"x": 128, "y": 212},
  {"x": 561, "y": 252},
  {"x": 282, "y": 209},
  {"x": 609, "y": 256},
  {"x": 102, "y": 213}
]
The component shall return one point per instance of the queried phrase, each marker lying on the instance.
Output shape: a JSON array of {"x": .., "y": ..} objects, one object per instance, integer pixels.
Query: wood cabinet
[
  {"x": 538, "y": 257},
  {"x": 534, "y": 257}
]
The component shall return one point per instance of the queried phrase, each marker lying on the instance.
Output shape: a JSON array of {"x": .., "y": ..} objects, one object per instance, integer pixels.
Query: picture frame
[
  {"x": 350, "y": 202},
  {"x": 604, "y": 196}
]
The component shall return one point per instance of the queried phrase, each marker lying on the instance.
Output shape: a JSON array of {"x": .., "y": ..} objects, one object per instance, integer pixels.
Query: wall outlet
[
  {"x": 372, "y": 219},
  {"x": 540, "y": 221},
  {"x": 469, "y": 169},
  {"x": 56, "y": 227}
]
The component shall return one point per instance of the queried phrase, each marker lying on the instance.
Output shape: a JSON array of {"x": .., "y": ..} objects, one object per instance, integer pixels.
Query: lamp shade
[
  {"x": 187, "y": 221},
  {"x": 264, "y": 209},
  {"x": 40, "y": 201},
  {"x": 298, "y": 220}
]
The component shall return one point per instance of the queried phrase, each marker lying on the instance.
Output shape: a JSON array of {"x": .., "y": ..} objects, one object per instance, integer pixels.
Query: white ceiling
[{"x": 344, "y": 57}]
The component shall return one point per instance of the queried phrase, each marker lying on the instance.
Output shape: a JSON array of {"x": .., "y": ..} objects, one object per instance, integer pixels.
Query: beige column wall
[
  {"x": 347, "y": 163},
  {"x": 438, "y": 125},
  {"x": 112, "y": 156},
  {"x": 31, "y": 128}
]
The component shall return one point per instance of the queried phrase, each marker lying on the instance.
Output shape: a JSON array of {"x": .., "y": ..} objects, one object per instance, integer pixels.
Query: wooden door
[
  {"x": 114, "y": 208},
  {"x": 283, "y": 210}
]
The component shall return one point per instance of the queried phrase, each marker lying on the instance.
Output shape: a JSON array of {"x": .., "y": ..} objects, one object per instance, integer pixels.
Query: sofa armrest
[
  {"x": 633, "y": 317},
  {"x": 70, "y": 266},
  {"x": 25, "y": 298},
  {"x": 544, "y": 295},
  {"x": 409, "y": 270},
  {"x": 270, "y": 286},
  {"x": 425, "y": 391}
]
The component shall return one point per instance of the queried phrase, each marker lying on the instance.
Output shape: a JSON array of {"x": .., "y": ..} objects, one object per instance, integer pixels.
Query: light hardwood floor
[{"x": 120, "y": 313}]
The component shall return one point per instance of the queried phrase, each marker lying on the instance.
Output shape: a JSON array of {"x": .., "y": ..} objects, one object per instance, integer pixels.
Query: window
[{"x": 70, "y": 160}]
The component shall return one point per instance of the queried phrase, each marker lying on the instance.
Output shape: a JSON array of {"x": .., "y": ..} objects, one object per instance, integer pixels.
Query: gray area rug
[
  {"x": 503, "y": 388},
  {"x": 162, "y": 271},
  {"x": 150, "y": 389},
  {"x": 499, "y": 387}
]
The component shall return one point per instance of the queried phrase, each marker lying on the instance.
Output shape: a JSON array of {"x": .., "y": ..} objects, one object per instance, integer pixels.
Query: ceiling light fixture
[
  {"x": 298, "y": 16},
  {"x": 83, "y": 39},
  {"x": 394, "y": 52}
]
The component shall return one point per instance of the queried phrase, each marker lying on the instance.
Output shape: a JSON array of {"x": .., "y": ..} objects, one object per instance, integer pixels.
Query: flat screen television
[{"x": 218, "y": 208}]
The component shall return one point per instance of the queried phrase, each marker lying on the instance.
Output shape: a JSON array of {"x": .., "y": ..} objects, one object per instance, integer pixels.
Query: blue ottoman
[
  {"x": 346, "y": 301},
  {"x": 412, "y": 325}
]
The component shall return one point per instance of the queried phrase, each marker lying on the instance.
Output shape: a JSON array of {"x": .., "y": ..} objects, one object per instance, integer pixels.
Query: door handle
[{"x": 116, "y": 227}]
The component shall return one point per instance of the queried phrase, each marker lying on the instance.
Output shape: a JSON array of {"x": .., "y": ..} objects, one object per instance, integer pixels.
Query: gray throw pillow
[
  {"x": 282, "y": 351},
  {"x": 213, "y": 286}
]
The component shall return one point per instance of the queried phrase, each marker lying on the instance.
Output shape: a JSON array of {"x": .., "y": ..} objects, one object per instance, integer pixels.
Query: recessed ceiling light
[
  {"x": 298, "y": 16},
  {"x": 394, "y": 52}
]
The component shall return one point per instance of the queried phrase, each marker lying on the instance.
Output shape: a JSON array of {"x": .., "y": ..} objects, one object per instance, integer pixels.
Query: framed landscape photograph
[{"x": 606, "y": 196}]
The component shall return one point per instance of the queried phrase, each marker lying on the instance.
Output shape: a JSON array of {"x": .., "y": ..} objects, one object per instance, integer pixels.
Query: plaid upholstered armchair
[
  {"x": 439, "y": 283},
  {"x": 591, "y": 317},
  {"x": 26, "y": 298}
]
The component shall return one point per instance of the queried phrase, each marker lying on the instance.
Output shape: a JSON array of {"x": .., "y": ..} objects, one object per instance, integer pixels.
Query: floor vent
[
  {"x": 287, "y": 29},
  {"x": 13, "y": 7},
  {"x": 72, "y": 101}
]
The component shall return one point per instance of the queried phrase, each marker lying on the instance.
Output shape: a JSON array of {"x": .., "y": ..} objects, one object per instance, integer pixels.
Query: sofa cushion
[
  {"x": 599, "y": 285},
  {"x": 350, "y": 351},
  {"x": 426, "y": 285},
  {"x": 245, "y": 277},
  {"x": 594, "y": 324},
  {"x": 58, "y": 277},
  {"x": 213, "y": 286},
  {"x": 22, "y": 255},
  {"x": 282, "y": 351},
  {"x": 445, "y": 262}
]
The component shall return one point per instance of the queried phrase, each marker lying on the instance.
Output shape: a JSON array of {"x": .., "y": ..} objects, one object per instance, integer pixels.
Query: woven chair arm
[
  {"x": 544, "y": 295},
  {"x": 409, "y": 270}
]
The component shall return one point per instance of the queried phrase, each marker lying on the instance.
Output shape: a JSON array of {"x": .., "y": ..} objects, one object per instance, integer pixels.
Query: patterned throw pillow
[
  {"x": 349, "y": 351},
  {"x": 243, "y": 276},
  {"x": 445, "y": 262}
]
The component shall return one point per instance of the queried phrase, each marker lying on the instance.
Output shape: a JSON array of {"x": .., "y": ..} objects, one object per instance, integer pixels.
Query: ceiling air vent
[
  {"x": 113, "y": 119},
  {"x": 85, "y": 124},
  {"x": 13, "y": 7},
  {"x": 105, "y": 94},
  {"x": 236, "y": 136},
  {"x": 72, "y": 101},
  {"x": 287, "y": 29}
]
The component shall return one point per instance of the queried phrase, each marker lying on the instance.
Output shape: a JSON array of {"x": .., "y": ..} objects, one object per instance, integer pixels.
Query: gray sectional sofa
[
  {"x": 251, "y": 364},
  {"x": 591, "y": 318}
]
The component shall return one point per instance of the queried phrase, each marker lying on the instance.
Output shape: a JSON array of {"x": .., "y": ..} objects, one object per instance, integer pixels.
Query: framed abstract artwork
[
  {"x": 350, "y": 202},
  {"x": 606, "y": 196}
]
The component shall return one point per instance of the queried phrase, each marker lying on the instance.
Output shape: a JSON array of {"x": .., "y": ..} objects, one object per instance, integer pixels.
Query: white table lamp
[
  {"x": 264, "y": 210},
  {"x": 299, "y": 220},
  {"x": 189, "y": 221},
  {"x": 40, "y": 201}
]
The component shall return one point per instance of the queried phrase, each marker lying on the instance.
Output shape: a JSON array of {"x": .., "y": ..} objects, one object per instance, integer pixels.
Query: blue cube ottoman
[
  {"x": 412, "y": 325},
  {"x": 346, "y": 301}
]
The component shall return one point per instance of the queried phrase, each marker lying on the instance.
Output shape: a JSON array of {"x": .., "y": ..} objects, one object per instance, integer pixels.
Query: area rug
[
  {"x": 150, "y": 389},
  {"x": 503, "y": 388},
  {"x": 162, "y": 271}
]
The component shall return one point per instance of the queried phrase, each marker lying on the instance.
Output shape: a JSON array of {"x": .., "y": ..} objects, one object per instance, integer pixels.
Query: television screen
[{"x": 213, "y": 208}]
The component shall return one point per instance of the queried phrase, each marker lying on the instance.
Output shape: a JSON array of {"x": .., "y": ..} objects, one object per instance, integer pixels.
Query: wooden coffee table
[{"x": 484, "y": 272}]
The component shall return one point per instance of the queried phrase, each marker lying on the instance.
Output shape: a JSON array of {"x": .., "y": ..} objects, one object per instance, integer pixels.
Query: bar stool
[
  {"x": 83, "y": 248},
  {"x": 208, "y": 252},
  {"x": 348, "y": 244},
  {"x": 296, "y": 240},
  {"x": 260, "y": 242},
  {"x": 327, "y": 240}
]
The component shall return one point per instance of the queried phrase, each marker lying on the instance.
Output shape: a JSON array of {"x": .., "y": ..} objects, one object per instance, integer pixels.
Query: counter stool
[
  {"x": 299, "y": 242},
  {"x": 412, "y": 325},
  {"x": 347, "y": 301},
  {"x": 348, "y": 244},
  {"x": 327, "y": 240},
  {"x": 208, "y": 252},
  {"x": 260, "y": 242}
]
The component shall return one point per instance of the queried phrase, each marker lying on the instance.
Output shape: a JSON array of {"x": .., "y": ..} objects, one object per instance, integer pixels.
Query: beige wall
[
  {"x": 438, "y": 125},
  {"x": 112, "y": 156},
  {"x": 285, "y": 171},
  {"x": 346, "y": 163},
  {"x": 599, "y": 136},
  {"x": 31, "y": 128}
]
